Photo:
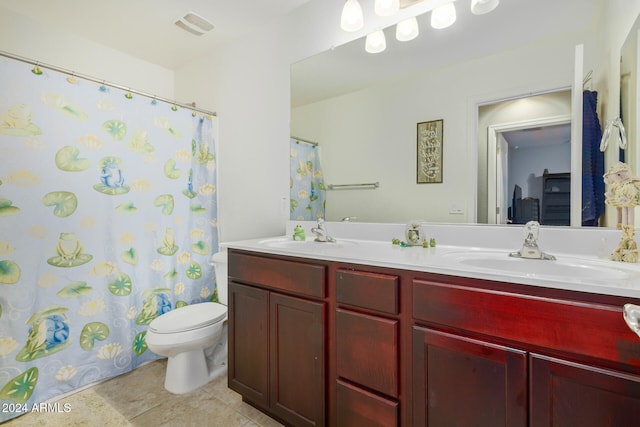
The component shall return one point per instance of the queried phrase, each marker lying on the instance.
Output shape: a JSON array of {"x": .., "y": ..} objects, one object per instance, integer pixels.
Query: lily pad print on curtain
[
  {"x": 429, "y": 152},
  {"x": 108, "y": 212}
]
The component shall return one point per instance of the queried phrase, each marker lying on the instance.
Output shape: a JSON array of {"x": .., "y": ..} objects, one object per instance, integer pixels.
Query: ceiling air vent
[{"x": 194, "y": 23}]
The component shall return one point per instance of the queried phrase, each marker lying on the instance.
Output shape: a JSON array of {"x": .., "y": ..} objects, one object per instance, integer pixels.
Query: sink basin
[
  {"x": 305, "y": 245},
  {"x": 565, "y": 268}
]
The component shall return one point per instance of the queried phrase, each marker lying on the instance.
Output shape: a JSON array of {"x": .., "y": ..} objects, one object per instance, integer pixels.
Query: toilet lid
[{"x": 188, "y": 317}]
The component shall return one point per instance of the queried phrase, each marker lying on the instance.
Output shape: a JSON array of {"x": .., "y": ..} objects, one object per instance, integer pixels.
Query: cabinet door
[
  {"x": 248, "y": 342},
  {"x": 463, "y": 382},
  {"x": 570, "y": 394},
  {"x": 297, "y": 360}
]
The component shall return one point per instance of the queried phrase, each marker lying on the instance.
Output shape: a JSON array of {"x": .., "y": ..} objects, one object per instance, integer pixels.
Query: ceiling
[
  {"x": 145, "y": 28},
  {"x": 538, "y": 136}
]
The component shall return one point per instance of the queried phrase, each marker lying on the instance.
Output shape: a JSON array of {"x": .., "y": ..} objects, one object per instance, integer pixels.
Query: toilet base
[
  {"x": 188, "y": 371},
  {"x": 191, "y": 370}
]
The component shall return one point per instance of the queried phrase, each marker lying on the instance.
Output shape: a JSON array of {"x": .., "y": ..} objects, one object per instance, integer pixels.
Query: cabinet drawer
[
  {"x": 367, "y": 350},
  {"x": 289, "y": 276},
  {"x": 367, "y": 290},
  {"x": 590, "y": 329},
  {"x": 357, "y": 407}
]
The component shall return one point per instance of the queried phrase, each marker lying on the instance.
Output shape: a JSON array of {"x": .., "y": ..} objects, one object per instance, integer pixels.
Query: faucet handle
[
  {"x": 631, "y": 315},
  {"x": 531, "y": 231}
]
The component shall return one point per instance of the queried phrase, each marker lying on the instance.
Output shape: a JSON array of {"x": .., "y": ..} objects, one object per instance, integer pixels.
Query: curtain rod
[
  {"x": 103, "y": 82},
  {"x": 315, "y": 144}
]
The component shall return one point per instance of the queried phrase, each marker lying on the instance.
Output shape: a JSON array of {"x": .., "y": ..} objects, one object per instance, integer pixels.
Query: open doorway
[
  {"x": 533, "y": 170},
  {"x": 540, "y": 127}
]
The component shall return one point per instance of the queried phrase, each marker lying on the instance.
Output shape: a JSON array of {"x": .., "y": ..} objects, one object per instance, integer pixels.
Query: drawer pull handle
[{"x": 632, "y": 317}]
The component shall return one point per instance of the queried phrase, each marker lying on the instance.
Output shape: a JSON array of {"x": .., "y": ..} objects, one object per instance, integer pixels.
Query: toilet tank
[{"x": 219, "y": 261}]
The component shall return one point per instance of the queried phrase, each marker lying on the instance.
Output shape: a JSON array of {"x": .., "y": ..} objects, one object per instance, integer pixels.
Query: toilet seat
[{"x": 187, "y": 318}]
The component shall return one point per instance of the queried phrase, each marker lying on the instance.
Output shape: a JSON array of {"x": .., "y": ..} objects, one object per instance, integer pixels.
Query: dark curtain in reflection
[{"x": 592, "y": 161}]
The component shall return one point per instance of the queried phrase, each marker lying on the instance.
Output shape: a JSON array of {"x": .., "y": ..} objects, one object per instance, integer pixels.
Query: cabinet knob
[{"x": 631, "y": 315}]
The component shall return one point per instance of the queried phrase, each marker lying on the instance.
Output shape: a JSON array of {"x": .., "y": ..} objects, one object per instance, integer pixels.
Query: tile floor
[{"x": 138, "y": 398}]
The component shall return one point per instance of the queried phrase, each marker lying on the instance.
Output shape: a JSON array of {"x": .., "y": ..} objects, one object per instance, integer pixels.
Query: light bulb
[
  {"x": 443, "y": 16},
  {"x": 375, "y": 42},
  {"x": 407, "y": 30},
  {"x": 479, "y": 7},
  {"x": 387, "y": 7},
  {"x": 351, "y": 19}
]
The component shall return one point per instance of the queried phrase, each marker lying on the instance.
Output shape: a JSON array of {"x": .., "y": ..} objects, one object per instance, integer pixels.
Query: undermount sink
[
  {"x": 565, "y": 268},
  {"x": 309, "y": 244}
]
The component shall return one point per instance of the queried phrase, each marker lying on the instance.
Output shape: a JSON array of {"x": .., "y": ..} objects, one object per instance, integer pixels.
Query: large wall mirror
[{"x": 363, "y": 109}]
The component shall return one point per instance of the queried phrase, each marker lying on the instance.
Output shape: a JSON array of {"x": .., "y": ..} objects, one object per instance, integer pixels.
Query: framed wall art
[{"x": 429, "y": 148}]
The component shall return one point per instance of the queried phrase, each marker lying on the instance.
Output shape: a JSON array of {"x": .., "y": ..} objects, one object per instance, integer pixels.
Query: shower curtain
[
  {"x": 306, "y": 182},
  {"x": 108, "y": 218}
]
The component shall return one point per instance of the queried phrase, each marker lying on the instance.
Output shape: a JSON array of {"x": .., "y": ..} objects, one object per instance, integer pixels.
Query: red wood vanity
[{"x": 315, "y": 343}]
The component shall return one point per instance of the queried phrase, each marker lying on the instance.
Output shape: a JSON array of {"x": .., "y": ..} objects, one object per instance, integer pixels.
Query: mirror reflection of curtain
[
  {"x": 108, "y": 219},
  {"x": 592, "y": 161},
  {"x": 306, "y": 182}
]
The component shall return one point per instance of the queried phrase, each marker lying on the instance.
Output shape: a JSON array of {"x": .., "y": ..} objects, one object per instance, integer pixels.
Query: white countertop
[{"x": 571, "y": 271}]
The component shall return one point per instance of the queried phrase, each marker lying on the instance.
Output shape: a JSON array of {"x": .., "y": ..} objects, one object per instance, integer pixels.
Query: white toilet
[{"x": 193, "y": 338}]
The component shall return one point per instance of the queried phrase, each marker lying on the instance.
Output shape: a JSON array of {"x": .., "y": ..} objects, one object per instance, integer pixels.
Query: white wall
[
  {"x": 248, "y": 85},
  {"x": 48, "y": 44},
  {"x": 526, "y": 166}
]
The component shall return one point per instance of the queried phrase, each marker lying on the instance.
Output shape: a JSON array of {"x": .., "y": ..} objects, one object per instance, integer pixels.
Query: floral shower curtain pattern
[
  {"x": 108, "y": 218},
  {"x": 306, "y": 182}
]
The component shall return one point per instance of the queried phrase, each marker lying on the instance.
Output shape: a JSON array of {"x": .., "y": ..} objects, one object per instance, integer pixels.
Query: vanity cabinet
[
  {"x": 326, "y": 343},
  {"x": 277, "y": 316},
  {"x": 489, "y": 353}
]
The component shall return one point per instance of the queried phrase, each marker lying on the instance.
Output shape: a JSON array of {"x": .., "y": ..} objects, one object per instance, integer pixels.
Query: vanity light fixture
[
  {"x": 375, "y": 42},
  {"x": 352, "y": 18},
  {"x": 443, "y": 16},
  {"x": 407, "y": 30},
  {"x": 387, "y": 7},
  {"x": 480, "y": 7}
]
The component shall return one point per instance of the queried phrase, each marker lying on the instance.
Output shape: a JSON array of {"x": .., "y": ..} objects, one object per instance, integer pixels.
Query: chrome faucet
[
  {"x": 321, "y": 233},
  {"x": 530, "y": 249}
]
